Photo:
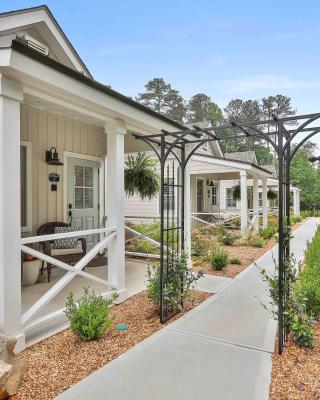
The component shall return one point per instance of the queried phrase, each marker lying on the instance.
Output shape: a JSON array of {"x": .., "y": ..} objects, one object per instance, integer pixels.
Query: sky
[{"x": 226, "y": 49}]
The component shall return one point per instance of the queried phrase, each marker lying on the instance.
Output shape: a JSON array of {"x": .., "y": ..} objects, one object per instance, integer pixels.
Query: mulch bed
[
  {"x": 62, "y": 360},
  {"x": 296, "y": 373},
  {"x": 247, "y": 255}
]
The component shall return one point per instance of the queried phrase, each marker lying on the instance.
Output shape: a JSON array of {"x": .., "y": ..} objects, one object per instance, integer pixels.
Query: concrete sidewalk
[{"x": 221, "y": 350}]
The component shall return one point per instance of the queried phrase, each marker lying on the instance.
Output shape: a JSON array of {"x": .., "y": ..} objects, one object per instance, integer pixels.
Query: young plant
[
  {"x": 268, "y": 232},
  {"x": 218, "y": 258},
  {"x": 89, "y": 316},
  {"x": 256, "y": 241},
  {"x": 227, "y": 239},
  {"x": 179, "y": 280},
  {"x": 234, "y": 260}
]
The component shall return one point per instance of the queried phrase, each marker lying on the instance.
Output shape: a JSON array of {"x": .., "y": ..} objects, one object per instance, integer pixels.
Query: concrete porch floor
[{"x": 135, "y": 283}]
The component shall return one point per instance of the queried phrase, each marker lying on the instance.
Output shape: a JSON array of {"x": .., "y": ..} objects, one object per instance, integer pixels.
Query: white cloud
[{"x": 268, "y": 82}]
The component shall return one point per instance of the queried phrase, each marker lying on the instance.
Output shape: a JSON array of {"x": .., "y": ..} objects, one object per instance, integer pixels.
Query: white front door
[{"x": 83, "y": 196}]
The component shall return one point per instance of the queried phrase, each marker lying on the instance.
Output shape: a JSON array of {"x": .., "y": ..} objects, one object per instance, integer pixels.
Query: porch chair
[{"x": 66, "y": 250}]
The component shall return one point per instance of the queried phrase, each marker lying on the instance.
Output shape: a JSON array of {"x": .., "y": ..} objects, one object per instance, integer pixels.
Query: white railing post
[
  {"x": 255, "y": 204},
  {"x": 264, "y": 202},
  {"x": 116, "y": 131},
  {"x": 187, "y": 210},
  {"x": 10, "y": 224},
  {"x": 244, "y": 201}
]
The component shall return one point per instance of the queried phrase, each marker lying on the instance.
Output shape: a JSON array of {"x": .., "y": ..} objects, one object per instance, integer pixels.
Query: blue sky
[{"x": 226, "y": 49}]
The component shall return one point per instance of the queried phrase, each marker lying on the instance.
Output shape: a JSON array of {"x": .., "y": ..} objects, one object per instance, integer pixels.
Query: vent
[{"x": 35, "y": 44}]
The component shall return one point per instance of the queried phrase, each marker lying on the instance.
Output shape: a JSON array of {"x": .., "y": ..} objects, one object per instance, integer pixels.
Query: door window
[
  {"x": 231, "y": 202},
  {"x": 83, "y": 187},
  {"x": 214, "y": 201}
]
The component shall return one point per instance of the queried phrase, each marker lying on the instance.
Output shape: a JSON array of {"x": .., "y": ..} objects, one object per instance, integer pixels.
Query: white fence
[{"x": 72, "y": 271}]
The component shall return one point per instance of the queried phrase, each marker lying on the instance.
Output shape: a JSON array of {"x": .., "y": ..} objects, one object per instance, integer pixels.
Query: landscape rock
[{"x": 12, "y": 368}]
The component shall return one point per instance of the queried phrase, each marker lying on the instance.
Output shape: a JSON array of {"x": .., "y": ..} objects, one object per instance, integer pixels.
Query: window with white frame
[
  {"x": 260, "y": 199},
  {"x": 214, "y": 199},
  {"x": 25, "y": 186},
  {"x": 230, "y": 201}
]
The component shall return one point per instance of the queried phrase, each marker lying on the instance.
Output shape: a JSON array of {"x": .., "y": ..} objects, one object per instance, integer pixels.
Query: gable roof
[
  {"x": 40, "y": 21},
  {"x": 271, "y": 168},
  {"x": 247, "y": 156}
]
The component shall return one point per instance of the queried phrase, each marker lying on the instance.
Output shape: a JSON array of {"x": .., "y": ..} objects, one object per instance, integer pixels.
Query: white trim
[
  {"x": 28, "y": 145},
  {"x": 101, "y": 161}
]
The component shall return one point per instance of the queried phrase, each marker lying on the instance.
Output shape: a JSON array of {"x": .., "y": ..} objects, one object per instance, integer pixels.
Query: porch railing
[{"x": 72, "y": 271}]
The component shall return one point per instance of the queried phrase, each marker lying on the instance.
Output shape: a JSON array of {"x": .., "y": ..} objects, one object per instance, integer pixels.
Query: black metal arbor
[{"x": 173, "y": 148}]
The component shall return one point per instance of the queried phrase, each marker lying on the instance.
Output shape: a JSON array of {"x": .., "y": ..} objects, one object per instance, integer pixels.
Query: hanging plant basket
[
  {"x": 272, "y": 195},
  {"x": 236, "y": 193},
  {"x": 141, "y": 177}
]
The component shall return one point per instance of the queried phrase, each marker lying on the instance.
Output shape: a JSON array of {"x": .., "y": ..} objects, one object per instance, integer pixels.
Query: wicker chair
[{"x": 69, "y": 256}]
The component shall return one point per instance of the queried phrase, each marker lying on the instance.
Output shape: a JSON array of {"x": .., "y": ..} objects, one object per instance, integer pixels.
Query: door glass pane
[
  {"x": 88, "y": 177},
  {"x": 78, "y": 198},
  {"x": 78, "y": 175},
  {"x": 200, "y": 184},
  {"x": 88, "y": 198}
]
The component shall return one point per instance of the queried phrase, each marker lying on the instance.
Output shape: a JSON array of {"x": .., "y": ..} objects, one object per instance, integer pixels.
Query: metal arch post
[
  {"x": 281, "y": 240},
  {"x": 162, "y": 164}
]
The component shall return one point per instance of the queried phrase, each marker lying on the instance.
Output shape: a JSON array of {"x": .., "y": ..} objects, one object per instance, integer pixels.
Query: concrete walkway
[{"x": 221, "y": 350}]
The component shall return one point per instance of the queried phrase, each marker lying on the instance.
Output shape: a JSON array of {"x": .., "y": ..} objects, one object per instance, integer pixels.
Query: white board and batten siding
[{"x": 45, "y": 130}]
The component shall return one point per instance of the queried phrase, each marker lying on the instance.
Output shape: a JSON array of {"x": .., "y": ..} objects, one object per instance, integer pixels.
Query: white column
[
  {"x": 244, "y": 201},
  {"x": 264, "y": 202},
  {"x": 256, "y": 203},
  {"x": 10, "y": 225},
  {"x": 115, "y": 196},
  {"x": 296, "y": 202},
  {"x": 187, "y": 215}
]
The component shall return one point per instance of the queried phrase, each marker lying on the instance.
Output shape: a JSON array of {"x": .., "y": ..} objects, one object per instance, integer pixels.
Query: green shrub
[
  {"x": 309, "y": 283},
  {"x": 142, "y": 246},
  {"x": 177, "y": 277},
  {"x": 227, "y": 239},
  {"x": 199, "y": 245},
  {"x": 256, "y": 241},
  {"x": 218, "y": 258},
  {"x": 89, "y": 316},
  {"x": 268, "y": 232},
  {"x": 300, "y": 324},
  {"x": 234, "y": 260},
  {"x": 237, "y": 222}
]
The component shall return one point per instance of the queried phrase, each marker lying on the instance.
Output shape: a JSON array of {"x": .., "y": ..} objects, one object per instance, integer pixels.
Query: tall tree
[
  {"x": 160, "y": 96},
  {"x": 202, "y": 108},
  {"x": 279, "y": 105},
  {"x": 306, "y": 177}
]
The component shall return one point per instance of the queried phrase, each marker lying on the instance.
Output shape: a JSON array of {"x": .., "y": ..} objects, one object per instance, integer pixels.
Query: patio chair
[{"x": 70, "y": 253}]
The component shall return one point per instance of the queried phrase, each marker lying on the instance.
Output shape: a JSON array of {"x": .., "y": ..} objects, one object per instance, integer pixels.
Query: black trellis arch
[{"x": 174, "y": 150}]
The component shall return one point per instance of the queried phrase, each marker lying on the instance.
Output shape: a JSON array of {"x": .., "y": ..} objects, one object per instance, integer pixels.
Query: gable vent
[{"x": 35, "y": 44}]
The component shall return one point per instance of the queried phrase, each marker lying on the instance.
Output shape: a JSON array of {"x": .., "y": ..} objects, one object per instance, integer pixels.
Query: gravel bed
[
  {"x": 62, "y": 360},
  {"x": 296, "y": 373},
  {"x": 247, "y": 255}
]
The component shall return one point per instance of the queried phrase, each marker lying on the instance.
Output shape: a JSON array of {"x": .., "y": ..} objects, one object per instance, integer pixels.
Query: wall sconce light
[{"x": 52, "y": 157}]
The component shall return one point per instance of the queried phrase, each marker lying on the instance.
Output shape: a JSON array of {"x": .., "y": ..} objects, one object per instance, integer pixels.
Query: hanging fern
[
  {"x": 141, "y": 176},
  {"x": 236, "y": 192},
  {"x": 272, "y": 195}
]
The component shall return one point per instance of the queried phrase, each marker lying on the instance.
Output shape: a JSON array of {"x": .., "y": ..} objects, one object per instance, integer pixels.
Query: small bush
[
  {"x": 199, "y": 244},
  {"x": 256, "y": 241},
  {"x": 142, "y": 246},
  {"x": 178, "y": 276},
  {"x": 234, "y": 260},
  {"x": 237, "y": 222},
  {"x": 268, "y": 232},
  {"x": 227, "y": 239},
  {"x": 218, "y": 258},
  {"x": 89, "y": 316}
]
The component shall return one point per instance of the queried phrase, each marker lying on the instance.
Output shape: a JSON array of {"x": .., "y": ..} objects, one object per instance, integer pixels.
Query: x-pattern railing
[{"x": 72, "y": 271}]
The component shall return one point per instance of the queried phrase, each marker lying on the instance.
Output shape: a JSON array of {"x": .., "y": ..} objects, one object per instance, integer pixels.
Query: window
[
  {"x": 25, "y": 186},
  {"x": 200, "y": 195},
  {"x": 168, "y": 191},
  {"x": 260, "y": 199},
  {"x": 231, "y": 202},
  {"x": 214, "y": 195},
  {"x": 83, "y": 187}
]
